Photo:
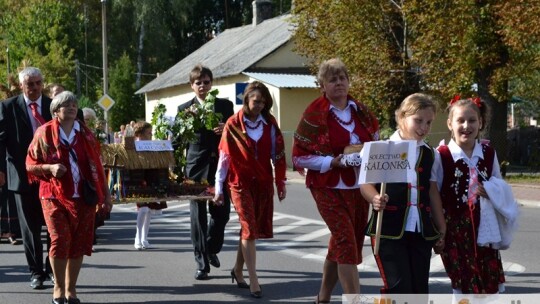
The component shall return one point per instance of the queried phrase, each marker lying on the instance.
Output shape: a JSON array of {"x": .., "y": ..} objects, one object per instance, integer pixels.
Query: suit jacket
[
  {"x": 16, "y": 133},
  {"x": 202, "y": 154}
]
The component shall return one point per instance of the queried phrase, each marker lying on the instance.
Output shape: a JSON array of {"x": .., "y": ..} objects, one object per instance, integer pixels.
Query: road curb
[{"x": 528, "y": 203}]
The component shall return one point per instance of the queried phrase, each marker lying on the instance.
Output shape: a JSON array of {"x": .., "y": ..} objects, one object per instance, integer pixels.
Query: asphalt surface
[{"x": 119, "y": 274}]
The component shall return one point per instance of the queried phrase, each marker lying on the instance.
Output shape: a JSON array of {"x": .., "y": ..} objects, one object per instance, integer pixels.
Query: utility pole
[{"x": 105, "y": 64}]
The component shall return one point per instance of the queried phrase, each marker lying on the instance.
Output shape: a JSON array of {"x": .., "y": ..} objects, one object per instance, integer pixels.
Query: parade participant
[
  {"x": 143, "y": 131},
  {"x": 202, "y": 157},
  {"x": 64, "y": 159},
  {"x": 413, "y": 221},
  {"x": 328, "y": 125},
  {"x": 465, "y": 165},
  {"x": 20, "y": 116},
  {"x": 251, "y": 145}
]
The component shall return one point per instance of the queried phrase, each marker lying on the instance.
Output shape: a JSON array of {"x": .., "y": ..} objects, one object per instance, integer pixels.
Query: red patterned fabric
[
  {"x": 345, "y": 212},
  {"x": 72, "y": 235},
  {"x": 250, "y": 174},
  {"x": 46, "y": 148},
  {"x": 255, "y": 207},
  {"x": 69, "y": 220},
  {"x": 236, "y": 143},
  {"x": 314, "y": 134}
]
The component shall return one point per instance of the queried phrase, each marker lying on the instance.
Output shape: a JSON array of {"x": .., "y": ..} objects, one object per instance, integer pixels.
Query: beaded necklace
[
  {"x": 253, "y": 127},
  {"x": 341, "y": 121}
]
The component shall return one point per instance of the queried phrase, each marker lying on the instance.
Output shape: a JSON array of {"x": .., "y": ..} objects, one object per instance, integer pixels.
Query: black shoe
[
  {"x": 201, "y": 275},
  {"x": 73, "y": 301},
  {"x": 37, "y": 283},
  {"x": 238, "y": 283},
  {"x": 257, "y": 294},
  {"x": 59, "y": 301},
  {"x": 213, "y": 259}
]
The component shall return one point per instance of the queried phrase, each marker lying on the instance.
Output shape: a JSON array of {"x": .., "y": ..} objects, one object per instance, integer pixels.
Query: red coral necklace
[
  {"x": 341, "y": 121},
  {"x": 253, "y": 127}
]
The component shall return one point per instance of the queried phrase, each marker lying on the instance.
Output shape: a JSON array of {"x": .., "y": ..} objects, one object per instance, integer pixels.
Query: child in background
[
  {"x": 465, "y": 164},
  {"x": 143, "y": 131},
  {"x": 413, "y": 221}
]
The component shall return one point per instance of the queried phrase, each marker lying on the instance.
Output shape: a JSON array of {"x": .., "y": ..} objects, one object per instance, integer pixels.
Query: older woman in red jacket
[
  {"x": 329, "y": 124},
  {"x": 64, "y": 158}
]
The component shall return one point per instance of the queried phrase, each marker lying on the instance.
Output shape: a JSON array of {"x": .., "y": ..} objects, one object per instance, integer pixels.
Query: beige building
[{"x": 260, "y": 51}]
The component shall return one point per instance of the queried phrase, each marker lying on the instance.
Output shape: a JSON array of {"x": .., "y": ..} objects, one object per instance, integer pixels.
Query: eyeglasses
[
  {"x": 30, "y": 84},
  {"x": 199, "y": 83}
]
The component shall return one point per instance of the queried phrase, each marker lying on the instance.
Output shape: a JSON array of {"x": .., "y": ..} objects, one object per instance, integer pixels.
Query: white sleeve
[
  {"x": 437, "y": 171},
  {"x": 313, "y": 162},
  {"x": 221, "y": 172},
  {"x": 496, "y": 171}
]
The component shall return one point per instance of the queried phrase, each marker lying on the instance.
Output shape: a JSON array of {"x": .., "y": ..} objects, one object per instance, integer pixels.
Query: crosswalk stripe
[{"x": 179, "y": 214}]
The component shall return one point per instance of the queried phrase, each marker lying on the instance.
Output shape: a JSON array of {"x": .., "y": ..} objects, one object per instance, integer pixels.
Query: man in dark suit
[
  {"x": 201, "y": 164},
  {"x": 17, "y": 126}
]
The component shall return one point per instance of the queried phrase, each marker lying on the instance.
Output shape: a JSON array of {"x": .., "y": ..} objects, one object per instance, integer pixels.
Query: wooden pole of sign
[{"x": 379, "y": 223}]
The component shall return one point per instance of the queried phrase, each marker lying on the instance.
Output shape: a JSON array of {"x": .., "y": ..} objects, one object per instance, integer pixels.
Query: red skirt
[
  {"x": 254, "y": 204},
  {"x": 72, "y": 234},
  {"x": 346, "y": 213}
]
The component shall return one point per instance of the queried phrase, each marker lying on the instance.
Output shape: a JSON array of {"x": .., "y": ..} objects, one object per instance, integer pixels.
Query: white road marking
[{"x": 179, "y": 214}]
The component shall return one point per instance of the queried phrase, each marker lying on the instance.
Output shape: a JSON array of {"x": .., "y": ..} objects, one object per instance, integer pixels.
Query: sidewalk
[{"x": 526, "y": 194}]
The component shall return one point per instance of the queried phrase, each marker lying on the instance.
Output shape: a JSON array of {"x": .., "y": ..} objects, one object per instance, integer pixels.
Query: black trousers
[
  {"x": 9, "y": 220},
  {"x": 207, "y": 235},
  {"x": 31, "y": 221},
  {"x": 404, "y": 264}
]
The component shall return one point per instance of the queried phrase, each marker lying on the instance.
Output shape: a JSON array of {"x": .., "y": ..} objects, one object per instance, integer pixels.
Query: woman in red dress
[
  {"x": 329, "y": 124},
  {"x": 64, "y": 158},
  {"x": 250, "y": 144}
]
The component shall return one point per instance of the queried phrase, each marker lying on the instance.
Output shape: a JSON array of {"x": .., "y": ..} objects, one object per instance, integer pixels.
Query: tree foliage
[
  {"x": 64, "y": 39},
  {"x": 128, "y": 106},
  {"x": 394, "y": 48}
]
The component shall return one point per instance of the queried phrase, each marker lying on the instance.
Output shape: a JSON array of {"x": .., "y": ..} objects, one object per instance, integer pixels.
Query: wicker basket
[{"x": 128, "y": 142}]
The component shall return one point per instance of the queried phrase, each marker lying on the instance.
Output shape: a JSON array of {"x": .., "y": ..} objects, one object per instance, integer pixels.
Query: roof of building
[
  {"x": 230, "y": 53},
  {"x": 285, "y": 80}
]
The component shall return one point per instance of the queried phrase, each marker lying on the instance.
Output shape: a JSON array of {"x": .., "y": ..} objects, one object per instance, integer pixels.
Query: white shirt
[
  {"x": 477, "y": 154},
  {"x": 413, "y": 218},
  {"x": 32, "y": 119},
  {"x": 322, "y": 163},
  {"x": 75, "y": 172}
]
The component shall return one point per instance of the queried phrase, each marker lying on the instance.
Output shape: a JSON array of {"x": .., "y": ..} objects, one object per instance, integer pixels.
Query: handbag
[{"x": 89, "y": 193}]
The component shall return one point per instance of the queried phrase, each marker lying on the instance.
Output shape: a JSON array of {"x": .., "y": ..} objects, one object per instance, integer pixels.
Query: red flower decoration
[
  {"x": 456, "y": 98},
  {"x": 476, "y": 101}
]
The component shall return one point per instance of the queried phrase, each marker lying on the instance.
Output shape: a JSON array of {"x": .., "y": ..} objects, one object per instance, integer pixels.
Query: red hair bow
[
  {"x": 475, "y": 100},
  {"x": 455, "y": 99}
]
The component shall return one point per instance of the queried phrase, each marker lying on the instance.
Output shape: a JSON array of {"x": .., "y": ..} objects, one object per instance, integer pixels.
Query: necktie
[
  {"x": 73, "y": 162},
  {"x": 37, "y": 117}
]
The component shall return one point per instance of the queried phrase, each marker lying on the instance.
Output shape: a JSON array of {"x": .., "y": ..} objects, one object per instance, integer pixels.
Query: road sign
[{"x": 106, "y": 102}]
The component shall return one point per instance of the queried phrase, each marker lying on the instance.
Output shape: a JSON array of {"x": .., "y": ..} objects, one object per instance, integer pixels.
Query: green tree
[
  {"x": 42, "y": 34},
  {"x": 128, "y": 106},
  {"x": 393, "y": 48}
]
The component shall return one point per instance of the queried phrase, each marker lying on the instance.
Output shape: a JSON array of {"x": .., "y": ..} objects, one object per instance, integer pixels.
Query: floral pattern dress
[{"x": 471, "y": 268}]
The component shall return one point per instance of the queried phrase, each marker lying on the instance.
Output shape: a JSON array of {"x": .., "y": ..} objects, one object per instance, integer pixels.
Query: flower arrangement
[{"x": 185, "y": 126}]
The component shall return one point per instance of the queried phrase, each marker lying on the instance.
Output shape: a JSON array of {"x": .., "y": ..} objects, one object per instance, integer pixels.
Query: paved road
[{"x": 289, "y": 265}]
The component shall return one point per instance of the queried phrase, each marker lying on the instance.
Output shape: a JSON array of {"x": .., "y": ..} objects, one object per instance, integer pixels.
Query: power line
[{"x": 100, "y": 68}]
